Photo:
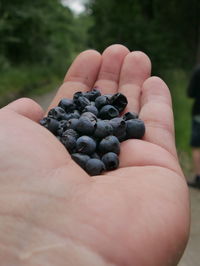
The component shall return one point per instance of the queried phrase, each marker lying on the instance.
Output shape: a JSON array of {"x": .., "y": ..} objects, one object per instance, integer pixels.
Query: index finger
[{"x": 81, "y": 75}]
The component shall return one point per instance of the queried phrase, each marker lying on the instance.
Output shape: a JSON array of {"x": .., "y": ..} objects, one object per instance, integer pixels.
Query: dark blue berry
[
  {"x": 77, "y": 95},
  {"x": 72, "y": 123},
  {"x": 92, "y": 117},
  {"x": 75, "y": 114},
  {"x": 101, "y": 101},
  {"x": 85, "y": 126},
  {"x": 43, "y": 121},
  {"x": 102, "y": 129},
  {"x": 91, "y": 109},
  {"x": 51, "y": 124},
  {"x": 135, "y": 128},
  {"x": 85, "y": 145},
  {"x": 57, "y": 113},
  {"x": 70, "y": 132},
  {"x": 108, "y": 112},
  {"x": 95, "y": 156},
  {"x": 82, "y": 102},
  {"x": 94, "y": 167},
  {"x": 130, "y": 115},
  {"x": 119, "y": 101},
  {"x": 119, "y": 127},
  {"x": 62, "y": 127},
  {"x": 69, "y": 138},
  {"x": 110, "y": 160},
  {"x": 69, "y": 142},
  {"x": 92, "y": 95},
  {"x": 109, "y": 144},
  {"x": 80, "y": 159},
  {"x": 67, "y": 104}
]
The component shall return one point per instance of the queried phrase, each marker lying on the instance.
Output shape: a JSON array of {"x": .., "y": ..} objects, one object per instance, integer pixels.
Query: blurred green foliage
[
  {"x": 177, "y": 80},
  {"x": 168, "y": 31},
  {"x": 38, "y": 40}
]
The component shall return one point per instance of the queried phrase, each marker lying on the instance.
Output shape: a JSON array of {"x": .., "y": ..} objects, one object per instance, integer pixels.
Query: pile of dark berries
[{"x": 91, "y": 129}]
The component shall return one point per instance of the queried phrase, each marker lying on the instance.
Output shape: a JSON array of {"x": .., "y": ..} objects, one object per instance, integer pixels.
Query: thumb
[{"x": 26, "y": 107}]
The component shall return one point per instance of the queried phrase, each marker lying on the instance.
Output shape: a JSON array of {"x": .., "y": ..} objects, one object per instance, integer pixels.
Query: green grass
[
  {"x": 23, "y": 81},
  {"x": 177, "y": 80}
]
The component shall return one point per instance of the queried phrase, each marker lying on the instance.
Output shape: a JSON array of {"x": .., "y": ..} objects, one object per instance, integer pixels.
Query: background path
[{"x": 191, "y": 256}]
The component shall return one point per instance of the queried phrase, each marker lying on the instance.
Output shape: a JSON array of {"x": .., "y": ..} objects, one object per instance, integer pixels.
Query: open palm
[{"x": 58, "y": 215}]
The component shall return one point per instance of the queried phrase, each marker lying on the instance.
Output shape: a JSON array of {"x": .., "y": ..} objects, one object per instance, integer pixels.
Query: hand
[{"x": 53, "y": 213}]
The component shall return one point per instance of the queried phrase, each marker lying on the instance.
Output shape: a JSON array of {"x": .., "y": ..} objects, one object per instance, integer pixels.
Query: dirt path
[
  {"x": 191, "y": 256},
  {"x": 45, "y": 100}
]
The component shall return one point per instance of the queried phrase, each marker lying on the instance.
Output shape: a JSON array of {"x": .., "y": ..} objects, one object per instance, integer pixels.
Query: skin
[
  {"x": 196, "y": 160},
  {"x": 53, "y": 213}
]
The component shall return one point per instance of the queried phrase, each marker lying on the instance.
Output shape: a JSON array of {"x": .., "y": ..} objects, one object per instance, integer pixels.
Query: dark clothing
[
  {"x": 194, "y": 90},
  {"x": 195, "y": 132}
]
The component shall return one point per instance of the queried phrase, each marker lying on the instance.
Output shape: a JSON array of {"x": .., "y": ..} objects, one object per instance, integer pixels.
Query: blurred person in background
[{"x": 194, "y": 92}]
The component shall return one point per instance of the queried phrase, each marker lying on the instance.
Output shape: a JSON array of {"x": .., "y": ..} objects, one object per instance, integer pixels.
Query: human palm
[{"x": 58, "y": 215}]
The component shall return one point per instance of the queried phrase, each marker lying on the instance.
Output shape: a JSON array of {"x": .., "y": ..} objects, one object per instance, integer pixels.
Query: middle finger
[{"x": 112, "y": 60}]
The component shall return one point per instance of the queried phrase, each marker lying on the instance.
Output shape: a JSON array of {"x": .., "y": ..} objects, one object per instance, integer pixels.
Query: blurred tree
[
  {"x": 167, "y": 31},
  {"x": 34, "y": 31}
]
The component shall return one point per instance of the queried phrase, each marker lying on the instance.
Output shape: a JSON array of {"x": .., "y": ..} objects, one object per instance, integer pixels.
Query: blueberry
[
  {"x": 91, "y": 109},
  {"x": 109, "y": 96},
  {"x": 43, "y": 121},
  {"x": 72, "y": 123},
  {"x": 119, "y": 127},
  {"x": 108, "y": 112},
  {"x": 75, "y": 114},
  {"x": 92, "y": 95},
  {"x": 92, "y": 103},
  {"x": 80, "y": 159},
  {"x": 62, "y": 127},
  {"x": 51, "y": 124},
  {"x": 109, "y": 144},
  {"x": 135, "y": 128},
  {"x": 66, "y": 116},
  {"x": 82, "y": 102},
  {"x": 67, "y": 104},
  {"x": 102, "y": 129},
  {"x": 130, "y": 115},
  {"x": 69, "y": 138},
  {"x": 70, "y": 132},
  {"x": 119, "y": 101},
  {"x": 94, "y": 167},
  {"x": 85, "y": 126},
  {"x": 85, "y": 145},
  {"x": 110, "y": 160},
  {"x": 77, "y": 95},
  {"x": 69, "y": 142},
  {"x": 101, "y": 101},
  {"x": 57, "y": 113},
  {"x": 92, "y": 117},
  {"x": 95, "y": 156}
]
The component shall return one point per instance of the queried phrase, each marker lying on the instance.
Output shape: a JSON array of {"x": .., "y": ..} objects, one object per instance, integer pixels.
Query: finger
[
  {"x": 135, "y": 70},
  {"x": 26, "y": 107},
  {"x": 112, "y": 59},
  {"x": 156, "y": 111},
  {"x": 80, "y": 77}
]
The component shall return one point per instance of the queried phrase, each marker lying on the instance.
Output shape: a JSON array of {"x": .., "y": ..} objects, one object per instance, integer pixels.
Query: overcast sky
[{"x": 75, "y": 5}]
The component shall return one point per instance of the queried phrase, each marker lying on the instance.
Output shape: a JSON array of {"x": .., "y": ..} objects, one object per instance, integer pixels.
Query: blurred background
[{"x": 39, "y": 39}]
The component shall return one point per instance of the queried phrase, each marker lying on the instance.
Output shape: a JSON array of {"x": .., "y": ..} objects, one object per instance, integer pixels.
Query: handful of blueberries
[{"x": 91, "y": 129}]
